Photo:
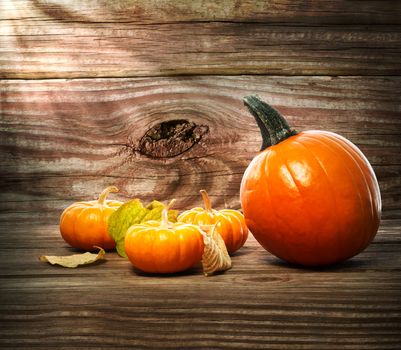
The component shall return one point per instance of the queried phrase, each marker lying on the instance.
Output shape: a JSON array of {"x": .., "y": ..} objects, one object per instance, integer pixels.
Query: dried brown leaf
[
  {"x": 215, "y": 257},
  {"x": 74, "y": 260}
]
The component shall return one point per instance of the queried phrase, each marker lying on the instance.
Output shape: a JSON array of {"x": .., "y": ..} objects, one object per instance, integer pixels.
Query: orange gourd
[
  {"x": 310, "y": 198},
  {"x": 83, "y": 225},
  {"x": 229, "y": 223},
  {"x": 163, "y": 246}
]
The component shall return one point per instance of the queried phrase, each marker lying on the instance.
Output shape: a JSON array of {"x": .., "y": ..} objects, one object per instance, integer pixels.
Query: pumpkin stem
[
  {"x": 206, "y": 200},
  {"x": 164, "y": 221},
  {"x": 272, "y": 124},
  {"x": 105, "y": 193}
]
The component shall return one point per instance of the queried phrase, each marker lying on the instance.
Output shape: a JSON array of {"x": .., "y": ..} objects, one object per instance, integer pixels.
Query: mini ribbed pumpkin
[
  {"x": 163, "y": 246},
  {"x": 83, "y": 225},
  {"x": 230, "y": 224}
]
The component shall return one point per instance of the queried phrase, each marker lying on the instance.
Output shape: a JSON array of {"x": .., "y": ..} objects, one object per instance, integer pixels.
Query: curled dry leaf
[
  {"x": 215, "y": 257},
  {"x": 74, "y": 260}
]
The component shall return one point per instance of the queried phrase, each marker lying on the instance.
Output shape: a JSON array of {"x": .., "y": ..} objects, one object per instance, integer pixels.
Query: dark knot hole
[{"x": 171, "y": 138}]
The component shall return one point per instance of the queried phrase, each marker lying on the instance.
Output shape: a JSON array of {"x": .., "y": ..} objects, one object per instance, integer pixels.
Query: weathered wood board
[
  {"x": 65, "y": 140},
  {"x": 91, "y": 94},
  {"x": 51, "y": 49},
  {"x": 260, "y": 303},
  {"x": 56, "y": 39},
  {"x": 307, "y": 12}
]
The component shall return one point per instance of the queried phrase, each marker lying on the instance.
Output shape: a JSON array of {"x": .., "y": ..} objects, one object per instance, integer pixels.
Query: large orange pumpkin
[
  {"x": 163, "y": 246},
  {"x": 310, "y": 198},
  {"x": 229, "y": 223},
  {"x": 83, "y": 225}
]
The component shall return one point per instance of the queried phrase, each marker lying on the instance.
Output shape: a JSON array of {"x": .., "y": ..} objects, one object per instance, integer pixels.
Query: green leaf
[
  {"x": 156, "y": 209},
  {"x": 172, "y": 215},
  {"x": 154, "y": 204},
  {"x": 131, "y": 213},
  {"x": 153, "y": 214}
]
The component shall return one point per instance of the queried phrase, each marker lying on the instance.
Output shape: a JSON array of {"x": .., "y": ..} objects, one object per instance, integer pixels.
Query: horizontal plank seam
[
  {"x": 195, "y": 21},
  {"x": 4, "y": 78}
]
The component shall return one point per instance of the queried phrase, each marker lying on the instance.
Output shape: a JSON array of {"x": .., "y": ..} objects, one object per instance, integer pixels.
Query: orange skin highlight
[
  {"x": 83, "y": 225},
  {"x": 229, "y": 223},
  {"x": 312, "y": 199},
  {"x": 164, "y": 247}
]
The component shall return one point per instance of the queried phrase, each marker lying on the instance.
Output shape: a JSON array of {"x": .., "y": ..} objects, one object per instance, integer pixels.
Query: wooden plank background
[
  {"x": 83, "y": 82},
  {"x": 81, "y": 129},
  {"x": 137, "y": 38}
]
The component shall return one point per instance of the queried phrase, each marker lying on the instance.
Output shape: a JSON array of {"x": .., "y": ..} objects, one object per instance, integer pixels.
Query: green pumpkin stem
[{"x": 272, "y": 124}]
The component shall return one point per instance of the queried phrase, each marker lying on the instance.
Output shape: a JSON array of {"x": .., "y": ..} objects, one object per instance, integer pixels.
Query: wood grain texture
[
  {"x": 260, "y": 303},
  {"x": 172, "y": 11},
  {"x": 55, "y": 49},
  {"x": 68, "y": 139}
]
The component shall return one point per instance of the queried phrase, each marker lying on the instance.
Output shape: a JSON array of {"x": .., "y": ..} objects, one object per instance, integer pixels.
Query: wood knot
[{"x": 171, "y": 138}]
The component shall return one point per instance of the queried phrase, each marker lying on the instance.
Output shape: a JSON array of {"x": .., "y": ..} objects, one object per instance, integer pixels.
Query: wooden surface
[
  {"x": 260, "y": 303},
  {"x": 83, "y": 86}
]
